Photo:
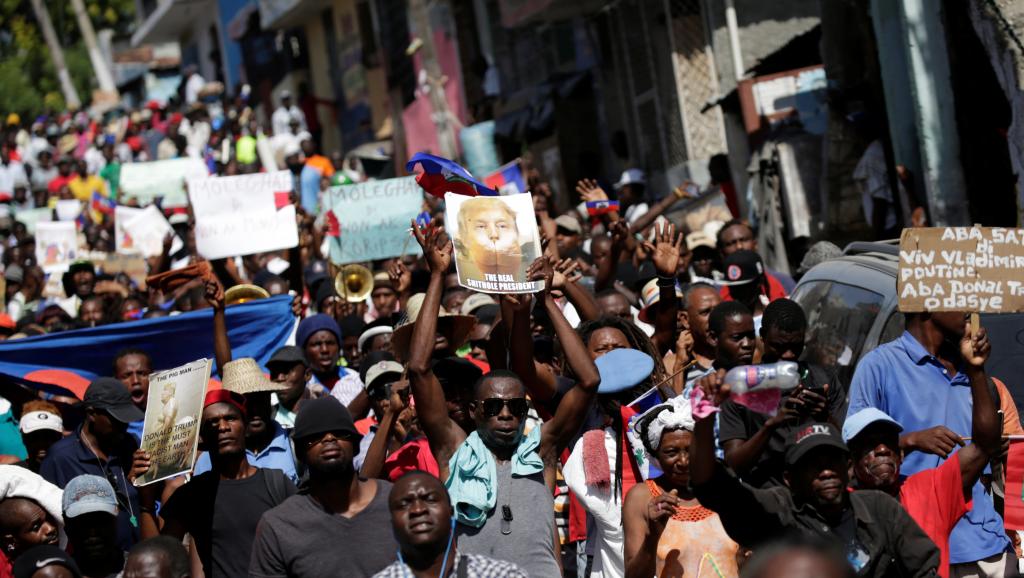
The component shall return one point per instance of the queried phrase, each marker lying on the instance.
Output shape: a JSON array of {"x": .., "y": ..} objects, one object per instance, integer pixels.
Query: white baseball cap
[
  {"x": 39, "y": 420},
  {"x": 630, "y": 177}
]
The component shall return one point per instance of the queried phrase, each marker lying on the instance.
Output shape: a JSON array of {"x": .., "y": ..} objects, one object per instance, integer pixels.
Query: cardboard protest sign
[
  {"x": 148, "y": 228},
  {"x": 56, "y": 245},
  {"x": 374, "y": 219},
  {"x": 970, "y": 269},
  {"x": 171, "y": 431},
  {"x": 496, "y": 239},
  {"x": 123, "y": 242},
  {"x": 160, "y": 179},
  {"x": 244, "y": 214}
]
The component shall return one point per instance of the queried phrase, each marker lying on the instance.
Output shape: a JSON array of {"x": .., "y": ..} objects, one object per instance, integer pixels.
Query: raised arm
[
  {"x": 214, "y": 294},
  {"x": 645, "y": 220},
  {"x": 537, "y": 377},
  {"x": 985, "y": 424},
  {"x": 565, "y": 278},
  {"x": 572, "y": 410},
  {"x": 442, "y": 433},
  {"x": 665, "y": 252},
  {"x": 373, "y": 463}
]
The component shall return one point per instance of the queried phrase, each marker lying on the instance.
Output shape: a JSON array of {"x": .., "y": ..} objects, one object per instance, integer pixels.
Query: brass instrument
[
  {"x": 242, "y": 293},
  {"x": 354, "y": 283}
]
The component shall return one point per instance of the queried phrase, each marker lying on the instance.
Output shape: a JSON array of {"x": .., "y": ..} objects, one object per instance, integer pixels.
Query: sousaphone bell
[{"x": 354, "y": 283}]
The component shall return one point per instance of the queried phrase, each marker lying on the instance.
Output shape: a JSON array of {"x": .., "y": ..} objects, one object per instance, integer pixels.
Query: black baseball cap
[
  {"x": 812, "y": 436},
  {"x": 288, "y": 355},
  {"x": 322, "y": 415},
  {"x": 743, "y": 267},
  {"x": 112, "y": 396}
]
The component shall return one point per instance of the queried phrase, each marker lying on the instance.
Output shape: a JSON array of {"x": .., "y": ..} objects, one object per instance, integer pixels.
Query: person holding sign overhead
[
  {"x": 923, "y": 380},
  {"x": 490, "y": 249}
]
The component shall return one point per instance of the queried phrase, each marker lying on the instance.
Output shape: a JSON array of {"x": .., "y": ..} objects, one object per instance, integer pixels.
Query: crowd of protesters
[{"x": 431, "y": 430}]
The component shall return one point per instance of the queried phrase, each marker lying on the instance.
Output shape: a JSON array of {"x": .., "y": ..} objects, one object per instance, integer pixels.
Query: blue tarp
[{"x": 256, "y": 329}]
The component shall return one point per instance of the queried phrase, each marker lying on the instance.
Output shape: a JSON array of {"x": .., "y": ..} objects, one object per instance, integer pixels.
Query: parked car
[{"x": 851, "y": 308}]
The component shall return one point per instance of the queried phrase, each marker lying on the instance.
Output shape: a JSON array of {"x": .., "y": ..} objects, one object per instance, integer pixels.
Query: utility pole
[
  {"x": 43, "y": 17},
  {"x": 99, "y": 65},
  {"x": 435, "y": 80}
]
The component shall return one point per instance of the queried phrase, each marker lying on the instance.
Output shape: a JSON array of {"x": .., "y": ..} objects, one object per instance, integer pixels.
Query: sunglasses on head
[{"x": 517, "y": 406}]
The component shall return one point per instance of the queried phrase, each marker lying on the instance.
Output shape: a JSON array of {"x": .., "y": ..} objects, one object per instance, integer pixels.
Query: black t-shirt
[
  {"x": 737, "y": 422},
  {"x": 221, "y": 516}
]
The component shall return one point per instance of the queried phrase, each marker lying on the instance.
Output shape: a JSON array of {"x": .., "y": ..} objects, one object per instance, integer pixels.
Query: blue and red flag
[
  {"x": 64, "y": 363},
  {"x": 103, "y": 203},
  {"x": 598, "y": 208},
  {"x": 441, "y": 176},
  {"x": 507, "y": 180}
]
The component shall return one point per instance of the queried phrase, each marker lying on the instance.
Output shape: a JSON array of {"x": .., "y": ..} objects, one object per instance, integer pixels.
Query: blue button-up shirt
[
  {"x": 278, "y": 455},
  {"x": 905, "y": 381},
  {"x": 69, "y": 458}
]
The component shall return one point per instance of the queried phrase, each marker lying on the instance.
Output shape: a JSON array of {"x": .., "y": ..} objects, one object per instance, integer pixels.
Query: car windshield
[{"x": 839, "y": 317}]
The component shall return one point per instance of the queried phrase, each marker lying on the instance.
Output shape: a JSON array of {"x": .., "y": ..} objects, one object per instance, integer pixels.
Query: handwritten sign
[
  {"x": 56, "y": 245},
  {"x": 148, "y": 228},
  {"x": 243, "y": 215},
  {"x": 496, "y": 239},
  {"x": 374, "y": 219},
  {"x": 160, "y": 179},
  {"x": 970, "y": 269},
  {"x": 170, "y": 432},
  {"x": 123, "y": 242}
]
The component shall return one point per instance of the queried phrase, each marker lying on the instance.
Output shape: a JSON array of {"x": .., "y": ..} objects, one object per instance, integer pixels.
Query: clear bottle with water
[{"x": 781, "y": 375}]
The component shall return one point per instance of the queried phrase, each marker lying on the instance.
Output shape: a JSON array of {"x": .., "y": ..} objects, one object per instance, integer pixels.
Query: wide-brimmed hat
[
  {"x": 456, "y": 328},
  {"x": 244, "y": 376},
  {"x": 650, "y": 296}
]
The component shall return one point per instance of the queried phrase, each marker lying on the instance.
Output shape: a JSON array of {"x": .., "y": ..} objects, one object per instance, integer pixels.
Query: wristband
[{"x": 666, "y": 281}]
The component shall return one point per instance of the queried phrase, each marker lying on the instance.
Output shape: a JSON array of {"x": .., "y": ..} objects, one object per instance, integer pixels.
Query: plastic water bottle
[{"x": 781, "y": 375}]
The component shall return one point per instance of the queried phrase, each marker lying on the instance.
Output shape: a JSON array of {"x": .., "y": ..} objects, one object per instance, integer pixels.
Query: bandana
[{"x": 675, "y": 414}]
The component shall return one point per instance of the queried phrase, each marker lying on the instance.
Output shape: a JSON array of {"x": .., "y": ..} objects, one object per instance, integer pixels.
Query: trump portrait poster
[{"x": 496, "y": 239}]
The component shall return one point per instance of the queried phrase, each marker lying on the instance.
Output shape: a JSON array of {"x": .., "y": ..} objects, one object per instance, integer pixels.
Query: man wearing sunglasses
[
  {"x": 501, "y": 481},
  {"x": 340, "y": 523}
]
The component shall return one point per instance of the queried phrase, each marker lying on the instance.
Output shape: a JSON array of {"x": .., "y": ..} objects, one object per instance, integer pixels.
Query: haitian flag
[
  {"x": 441, "y": 176},
  {"x": 65, "y": 363},
  {"x": 507, "y": 180},
  {"x": 597, "y": 208}
]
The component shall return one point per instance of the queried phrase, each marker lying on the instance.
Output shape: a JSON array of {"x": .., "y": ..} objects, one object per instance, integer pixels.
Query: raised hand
[
  {"x": 589, "y": 190},
  {"x": 565, "y": 271},
  {"x": 541, "y": 270},
  {"x": 975, "y": 348},
  {"x": 213, "y": 292},
  {"x": 437, "y": 247},
  {"x": 620, "y": 233},
  {"x": 665, "y": 250},
  {"x": 400, "y": 276}
]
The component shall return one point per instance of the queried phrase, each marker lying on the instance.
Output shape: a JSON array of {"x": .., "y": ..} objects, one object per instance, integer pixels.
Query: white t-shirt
[
  {"x": 12, "y": 175},
  {"x": 609, "y": 556}
]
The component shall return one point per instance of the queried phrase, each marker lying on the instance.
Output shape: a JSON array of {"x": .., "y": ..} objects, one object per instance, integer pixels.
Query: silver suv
[{"x": 851, "y": 304}]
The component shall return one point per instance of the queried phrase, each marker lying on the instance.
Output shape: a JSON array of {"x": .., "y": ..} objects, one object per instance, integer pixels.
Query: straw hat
[
  {"x": 456, "y": 328},
  {"x": 243, "y": 293},
  {"x": 245, "y": 376}
]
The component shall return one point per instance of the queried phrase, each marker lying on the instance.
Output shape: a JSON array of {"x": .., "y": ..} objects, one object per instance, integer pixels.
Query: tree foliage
[{"x": 28, "y": 80}]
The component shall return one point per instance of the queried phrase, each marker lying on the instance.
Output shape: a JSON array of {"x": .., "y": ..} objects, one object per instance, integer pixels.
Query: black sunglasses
[{"x": 517, "y": 406}]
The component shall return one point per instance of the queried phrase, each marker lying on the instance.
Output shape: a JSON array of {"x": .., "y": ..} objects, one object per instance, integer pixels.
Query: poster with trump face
[{"x": 496, "y": 239}]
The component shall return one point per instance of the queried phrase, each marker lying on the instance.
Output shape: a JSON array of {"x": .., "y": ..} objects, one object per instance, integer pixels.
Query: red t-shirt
[
  {"x": 775, "y": 290},
  {"x": 934, "y": 498},
  {"x": 414, "y": 455}
]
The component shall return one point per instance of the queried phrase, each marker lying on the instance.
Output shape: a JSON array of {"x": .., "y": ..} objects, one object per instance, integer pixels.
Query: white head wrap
[{"x": 679, "y": 415}]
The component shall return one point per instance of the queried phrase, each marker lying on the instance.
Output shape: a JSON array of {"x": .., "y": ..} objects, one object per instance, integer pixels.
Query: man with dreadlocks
[
  {"x": 594, "y": 469},
  {"x": 668, "y": 532}
]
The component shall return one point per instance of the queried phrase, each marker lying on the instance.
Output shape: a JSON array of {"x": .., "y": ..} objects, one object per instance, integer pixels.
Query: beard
[{"x": 333, "y": 469}]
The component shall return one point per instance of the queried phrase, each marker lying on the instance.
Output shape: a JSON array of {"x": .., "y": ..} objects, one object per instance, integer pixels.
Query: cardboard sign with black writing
[
  {"x": 170, "y": 433},
  {"x": 970, "y": 269}
]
